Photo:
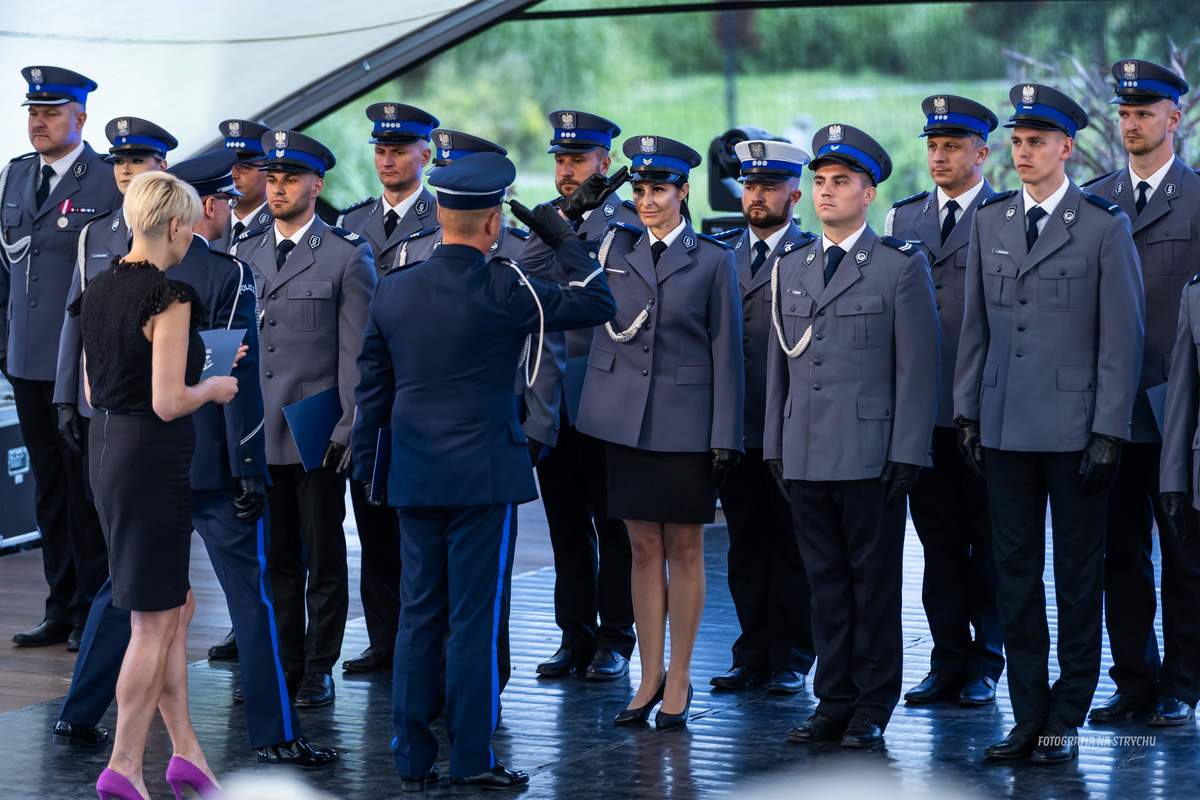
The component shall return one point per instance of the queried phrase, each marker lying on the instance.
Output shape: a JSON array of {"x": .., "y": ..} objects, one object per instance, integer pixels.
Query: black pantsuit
[
  {"x": 766, "y": 574},
  {"x": 852, "y": 545},
  {"x": 1018, "y": 485},
  {"x": 308, "y": 565},
  {"x": 950, "y": 512},
  {"x": 73, "y": 553},
  {"x": 592, "y": 555},
  {"x": 379, "y": 582}
]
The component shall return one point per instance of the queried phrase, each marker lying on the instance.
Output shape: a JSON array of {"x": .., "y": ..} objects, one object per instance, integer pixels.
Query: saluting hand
[
  {"x": 544, "y": 221},
  {"x": 591, "y": 193}
]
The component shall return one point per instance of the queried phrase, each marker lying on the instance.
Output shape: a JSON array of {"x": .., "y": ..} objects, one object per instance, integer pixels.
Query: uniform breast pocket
[
  {"x": 999, "y": 281},
  {"x": 860, "y": 319},
  {"x": 311, "y": 305},
  {"x": 1058, "y": 280},
  {"x": 11, "y": 216},
  {"x": 796, "y": 310},
  {"x": 1166, "y": 249}
]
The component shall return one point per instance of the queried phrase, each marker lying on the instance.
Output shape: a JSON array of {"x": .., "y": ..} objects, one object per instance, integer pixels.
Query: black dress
[{"x": 138, "y": 464}]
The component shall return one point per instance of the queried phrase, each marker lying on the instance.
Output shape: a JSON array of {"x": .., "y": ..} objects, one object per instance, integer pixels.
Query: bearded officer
[
  {"x": 949, "y": 503},
  {"x": 1048, "y": 365}
]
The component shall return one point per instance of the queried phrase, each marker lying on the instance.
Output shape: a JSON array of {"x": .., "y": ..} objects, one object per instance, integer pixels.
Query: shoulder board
[
  {"x": 705, "y": 237},
  {"x": 1097, "y": 200},
  {"x": 625, "y": 226},
  {"x": 903, "y": 245},
  {"x": 807, "y": 237},
  {"x": 996, "y": 198},
  {"x": 24, "y": 156},
  {"x": 366, "y": 201},
  {"x": 520, "y": 233},
  {"x": 912, "y": 198},
  {"x": 250, "y": 233},
  {"x": 1099, "y": 178},
  {"x": 421, "y": 233},
  {"x": 349, "y": 236},
  {"x": 730, "y": 233},
  {"x": 632, "y": 206}
]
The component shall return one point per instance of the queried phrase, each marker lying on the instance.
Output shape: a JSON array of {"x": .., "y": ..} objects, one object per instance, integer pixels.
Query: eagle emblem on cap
[
  {"x": 36, "y": 74},
  {"x": 939, "y": 105},
  {"x": 389, "y": 111},
  {"x": 122, "y": 127},
  {"x": 281, "y": 138},
  {"x": 758, "y": 150},
  {"x": 567, "y": 121},
  {"x": 235, "y": 128},
  {"x": 649, "y": 144},
  {"x": 835, "y": 133},
  {"x": 1028, "y": 94},
  {"x": 443, "y": 140},
  {"x": 1129, "y": 69}
]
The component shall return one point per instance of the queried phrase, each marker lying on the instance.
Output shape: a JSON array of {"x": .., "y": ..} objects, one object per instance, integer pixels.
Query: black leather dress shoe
[
  {"x": 46, "y": 633},
  {"x": 563, "y": 663},
  {"x": 737, "y": 679},
  {"x": 1058, "y": 742},
  {"x": 83, "y": 734},
  {"x": 1119, "y": 707},
  {"x": 1169, "y": 712},
  {"x": 495, "y": 778},
  {"x": 817, "y": 728},
  {"x": 979, "y": 691},
  {"x": 297, "y": 753},
  {"x": 420, "y": 784},
  {"x": 74, "y": 639},
  {"x": 785, "y": 681},
  {"x": 607, "y": 665},
  {"x": 862, "y": 733},
  {"x": 1018, "y": 744},
  {"x": 225, "y": 651},
  {"x": 665, "y": 722},
  {"x": 638, "y": 715},
  {"x": 316, "y": 690},
  {"x": 369, "y": 660},
  {"x": 936, "y": 686}
]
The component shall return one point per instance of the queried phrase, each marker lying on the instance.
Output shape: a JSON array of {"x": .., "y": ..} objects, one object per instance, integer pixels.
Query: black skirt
[
  {"x": 660, "y": 487},
  {"x": 138, "y": 467}
]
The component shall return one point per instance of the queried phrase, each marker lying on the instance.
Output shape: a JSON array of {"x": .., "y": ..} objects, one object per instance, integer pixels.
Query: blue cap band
[
  {"x": 1157, "y": 87},
  {"x": 789, "y": 167},
  {"x": 1047, "y": 114},
  {"x": 856, "y": 155},
  {"x": 660, "y": 163},
  {"x": 76, "y": 93},
  {"x": 402, "y": 127},
  {"x": 145, "y": 141},
  {"x": 581, "y": 137},
  {"x": 963, "y": 121},
  {"x": 309, "y": 160},
  {"x": 244, "y": 144}
]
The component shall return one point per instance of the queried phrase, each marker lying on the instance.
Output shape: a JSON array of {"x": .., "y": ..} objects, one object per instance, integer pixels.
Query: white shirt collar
[
  {"x": 245, "y": 219},
  {"x": 670, "y": 238},
  {"x": 1154, "y": 180},
  {"x": 404, "y": 205},
  {"x": 846, "y": 243},
  {"x": 61, "y": 166},
  {"x": 1050, "y": 203},
  {"x": 296, "y": 237},
  {"x": 964, "y": 200},
  {"x": 772, "y": 240}
]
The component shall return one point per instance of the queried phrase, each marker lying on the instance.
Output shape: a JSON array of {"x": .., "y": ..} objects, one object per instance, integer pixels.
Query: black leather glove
[
  {"x": 775, "y": 465},
  {"x": 337, "y": 458},
  {"x": 251, "y": 498},
  {"x": 1098, "y": 466},
  {"x": 723, "y": 462},
  {"x": 545, "y": 221},
  {"x": 536, "y": 450},
  {"x": 381, "y": 500},
  {"x": 591, "y": 193},
  {"x": 69, "y": 426},
  {"x": 1174, "y": 506},
  {"x": 899, "y": 478},
  {"x": 970, "y": 445}
]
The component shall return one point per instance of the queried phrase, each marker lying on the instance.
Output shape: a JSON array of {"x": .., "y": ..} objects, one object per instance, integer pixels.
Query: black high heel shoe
[
  {"x": 637, "y": 716},
  {"x": 667, "y": 721}
]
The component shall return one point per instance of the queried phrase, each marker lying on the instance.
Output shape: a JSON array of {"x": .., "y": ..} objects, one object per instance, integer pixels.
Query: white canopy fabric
[{"x": 187, "y": 65}]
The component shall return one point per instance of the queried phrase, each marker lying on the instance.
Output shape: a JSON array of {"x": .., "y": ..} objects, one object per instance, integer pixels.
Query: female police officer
[{"x": 664, "y": 390}]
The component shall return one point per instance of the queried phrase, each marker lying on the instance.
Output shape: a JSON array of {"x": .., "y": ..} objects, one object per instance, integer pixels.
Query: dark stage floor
[{"x": 560, "y": 731}]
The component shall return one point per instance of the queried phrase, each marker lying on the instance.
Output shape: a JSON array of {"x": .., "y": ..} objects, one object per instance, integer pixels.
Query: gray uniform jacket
[
  {"x": 678, "y": 384},
  {"x": 260, "y": 218},
  {"x": 865, "y": 390},
  {"x": 37, "y": 275},
  {"x": 916, "y": 219},
  {"x": 366, "y": 219},
  {"x": 311, "y": 317},
  {"x": 1051, "y": 343},
  {"x": 1167, "y": 235},
  {"x": 1179, "y": 467}
]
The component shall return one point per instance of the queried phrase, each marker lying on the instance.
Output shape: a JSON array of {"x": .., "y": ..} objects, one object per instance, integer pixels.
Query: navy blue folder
[
  {"x": 220, "y": 348},
  {"x": 311, "y": 422},
  {"x": 383, "y": 461}
]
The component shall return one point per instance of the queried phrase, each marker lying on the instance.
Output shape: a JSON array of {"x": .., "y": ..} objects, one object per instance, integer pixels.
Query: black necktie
[
  {"x": 390, "y": 221},
  {"x": 281, "y": 252},
  {"x": 833, "y": 257},
  {"x": 1142, "y": 188},
  {"x": 238, "y": 227},
  {"x": 948, "y": 223},
  {"x": 1032, "y": 216},
  {"x": 43, "y": 189},
  {"x": 760, "y": 256},
  {"x": 656, "y": 250}
]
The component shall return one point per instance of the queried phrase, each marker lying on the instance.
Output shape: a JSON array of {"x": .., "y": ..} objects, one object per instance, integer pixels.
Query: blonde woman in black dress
[{"x": 143, "y": 357}]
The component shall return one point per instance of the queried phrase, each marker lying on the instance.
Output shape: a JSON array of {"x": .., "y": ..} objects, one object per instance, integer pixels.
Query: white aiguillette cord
[
  {"x": 14, "y": 251},
  {"x": 777, "y": 318},
  {"x": 537, "y": 301},
  {"x": 643, "y": 315}
]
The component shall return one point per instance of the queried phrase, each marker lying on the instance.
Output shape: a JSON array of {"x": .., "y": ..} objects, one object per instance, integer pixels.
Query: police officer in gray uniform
[
  {"x": 314, "y": 284},
  {"x": 244, "y": 138},
  {"x": 949, "y": 503},
  {"x": 46, "y": 198},
  {"x": 1044, "y": 390},
  {"x": 852, "y": 386},
  {"x": 1161, "y": 195},
  {"x": 766, "y": 575}
]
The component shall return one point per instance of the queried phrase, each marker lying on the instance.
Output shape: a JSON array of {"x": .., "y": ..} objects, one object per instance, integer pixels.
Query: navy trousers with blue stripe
[
  {"x": 238, "y": 551},
  {"x": 456, "y": 567}
]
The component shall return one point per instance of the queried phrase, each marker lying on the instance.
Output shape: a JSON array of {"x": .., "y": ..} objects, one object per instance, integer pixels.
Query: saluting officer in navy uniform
[
  {"x": 244, "y": 138},
  {"x": 766, "y": 574},
  {"x": 228, "y": 510},
  {"x": 46, "y": 198},
  {"x": 459, "y": 459},
  {"x": 852, "y": 385},
  {"x": 401, "y": 137},
  {"x": 1161, "y": 195},
  {"x": 1048, "y": 365},
  {"x": 591, "y": 549},
  {"x": 949, "y": 503},
  {"x": 314, "y": 283}
]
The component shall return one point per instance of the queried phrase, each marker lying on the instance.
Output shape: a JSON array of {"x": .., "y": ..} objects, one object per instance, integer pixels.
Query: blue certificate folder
[
  {"x": 220, "y": 348},
  {"x": 383, "y": 461},
  {"x": 311, "y": 422}
]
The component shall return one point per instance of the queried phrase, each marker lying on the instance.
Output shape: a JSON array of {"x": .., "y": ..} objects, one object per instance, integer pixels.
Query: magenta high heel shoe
[
  {"x": 188, "y": 780},
  {"x": 112, "y": 785}
]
